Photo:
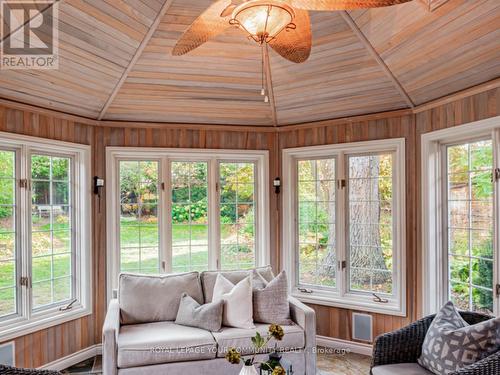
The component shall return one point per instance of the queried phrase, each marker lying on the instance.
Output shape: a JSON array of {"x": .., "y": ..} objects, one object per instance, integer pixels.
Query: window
[
  {"x": 237, "y": 218},
  {"x": 139, "y": 230},
  {"x": 180, "y": 210},
  {"x": 461, "y": 260},
  {"x": 344, "y": 223},
  {"x": 44, "y": 231},
  {"x": 189, "y": 216}
]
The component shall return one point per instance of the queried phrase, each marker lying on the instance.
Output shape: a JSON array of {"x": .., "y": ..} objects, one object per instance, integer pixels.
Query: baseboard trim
[
  {"x": 354, "y": 347},
  {"x": 73, "y": 359}
]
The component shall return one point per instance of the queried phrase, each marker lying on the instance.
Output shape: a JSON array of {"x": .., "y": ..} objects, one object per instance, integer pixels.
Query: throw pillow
[
  {"x": 192, "y": 314},
  {"x": 270, "y": 304},
  {"x": 237, "y": 302},
  {"x": 451, "y": 343}
]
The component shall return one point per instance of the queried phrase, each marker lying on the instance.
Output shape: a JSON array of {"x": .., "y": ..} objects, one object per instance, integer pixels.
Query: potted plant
[{"x": 233, "y": 356}]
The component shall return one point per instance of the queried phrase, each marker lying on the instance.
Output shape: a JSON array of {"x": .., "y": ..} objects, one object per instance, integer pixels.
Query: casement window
[
  {"x": 44, "y": 230},
  {"x": 344, "y": 224},
  {"x": 460, "y": 211},
  {"x": 176, "y": 210}
]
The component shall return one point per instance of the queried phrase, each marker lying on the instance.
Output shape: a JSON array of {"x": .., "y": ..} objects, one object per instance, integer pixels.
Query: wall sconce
[{"x": 277, "y": 185}]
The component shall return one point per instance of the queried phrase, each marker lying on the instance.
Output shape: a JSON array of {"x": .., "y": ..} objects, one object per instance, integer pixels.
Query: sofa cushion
[
  {"x": 229, "y": 337},
  {"x": 399, "y": 369},
  {"x": 162, "y": 342},
  {"x": 208, "y": 278},
  {"x": 145, "y": 299}
]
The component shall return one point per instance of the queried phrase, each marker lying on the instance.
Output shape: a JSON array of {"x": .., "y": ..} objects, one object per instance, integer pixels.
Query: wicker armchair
[
  {"x": 405, "y": 346},
  {"x": 8, "y": 370}
]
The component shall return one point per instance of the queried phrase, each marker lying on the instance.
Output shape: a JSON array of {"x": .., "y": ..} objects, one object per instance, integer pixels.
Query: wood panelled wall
[
  {"x": 336, "y": 322},
  {"x": 48, "y": 345}
]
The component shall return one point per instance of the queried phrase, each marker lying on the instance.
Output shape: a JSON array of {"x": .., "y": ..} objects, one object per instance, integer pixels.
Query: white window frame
[
  {"x": 342, "y": 297},
  {"x": 28, "y": 320},
  {"x": 165, "y": 156},
  {"x": 434, "y": 256}
]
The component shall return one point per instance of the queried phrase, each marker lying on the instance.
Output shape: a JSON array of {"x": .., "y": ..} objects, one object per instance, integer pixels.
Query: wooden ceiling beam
[
  {"x": 366, "y": 43},
  {"x": 137, "y": 54},
  {"x": 269, "y": 83}
]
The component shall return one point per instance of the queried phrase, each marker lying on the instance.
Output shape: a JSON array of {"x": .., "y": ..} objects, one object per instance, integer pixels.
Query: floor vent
[
  {"x": 7, "y": 354},
  {"x": 362, "y": 327}
]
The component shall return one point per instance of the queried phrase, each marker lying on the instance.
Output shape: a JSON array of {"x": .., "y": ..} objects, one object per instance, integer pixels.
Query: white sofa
[{"x": 163, "y": 347}]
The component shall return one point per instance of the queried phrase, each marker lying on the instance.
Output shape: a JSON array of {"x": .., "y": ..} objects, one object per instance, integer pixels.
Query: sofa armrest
[
  {"x": 110, "y": 331},
  {"x": 305, "y": 317},
  {"x": 401, "y": 346}
]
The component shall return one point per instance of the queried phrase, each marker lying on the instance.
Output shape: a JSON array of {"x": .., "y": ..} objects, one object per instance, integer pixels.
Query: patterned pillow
[
  {"x": 270, "y": 300},
  {"x": 451, "y": 343}
]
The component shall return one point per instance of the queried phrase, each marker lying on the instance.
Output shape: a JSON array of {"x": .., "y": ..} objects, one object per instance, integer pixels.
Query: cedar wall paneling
[
  {"x": 473, "y": 108},
  {"x": 56, "y": 342},
  {"x": 45, "y": 346},
  {"x": 336, "y": 322}
]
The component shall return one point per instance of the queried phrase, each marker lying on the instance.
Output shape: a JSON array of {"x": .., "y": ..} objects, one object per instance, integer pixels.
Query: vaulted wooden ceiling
[{"x": 115, "y": 63}]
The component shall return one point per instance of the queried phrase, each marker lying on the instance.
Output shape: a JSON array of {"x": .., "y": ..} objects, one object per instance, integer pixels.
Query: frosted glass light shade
[{"x": 263, "y": 20}]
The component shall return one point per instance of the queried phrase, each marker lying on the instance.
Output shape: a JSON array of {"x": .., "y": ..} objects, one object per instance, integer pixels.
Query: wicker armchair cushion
[
  {"x": 451, "y": 343},
  {"x": 400, "y": 369}
]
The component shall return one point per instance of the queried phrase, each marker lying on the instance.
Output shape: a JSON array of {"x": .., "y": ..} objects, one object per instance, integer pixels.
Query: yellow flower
[
  {"x": 278, "y": 370},
  {"x": 276, "y": 331},
  {"x": 233, "y": 356}
]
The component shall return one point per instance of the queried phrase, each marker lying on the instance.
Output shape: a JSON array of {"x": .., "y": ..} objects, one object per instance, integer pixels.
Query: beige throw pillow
[
  {"x": 237, "y": 299},
  {"x": 270, "y": 302}
]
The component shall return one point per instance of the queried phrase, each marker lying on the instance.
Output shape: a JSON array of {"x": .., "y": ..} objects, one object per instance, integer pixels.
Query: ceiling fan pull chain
[{"x": 263, "y": 89}]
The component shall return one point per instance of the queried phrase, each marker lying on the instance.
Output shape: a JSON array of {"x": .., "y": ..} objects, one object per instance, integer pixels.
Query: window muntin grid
[
  {"x": 52, "y": 254},
  {"x": 316, "y": 222},
  {"x": 139, "y": 229},
  {"x": 237, "y": 204},
  {"x": 190, "y": 226},
  {"x": 370, "y": 223},
  {"x": 469, "y": 197},
  {"x": 8, "y": 228}
]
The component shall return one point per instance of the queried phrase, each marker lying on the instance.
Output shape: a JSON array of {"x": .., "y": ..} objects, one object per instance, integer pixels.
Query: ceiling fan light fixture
[{"x": 263, "y": 20}]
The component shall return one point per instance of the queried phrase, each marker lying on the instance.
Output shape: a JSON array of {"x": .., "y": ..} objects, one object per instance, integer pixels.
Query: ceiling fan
[{"x": 284, "y": 25}]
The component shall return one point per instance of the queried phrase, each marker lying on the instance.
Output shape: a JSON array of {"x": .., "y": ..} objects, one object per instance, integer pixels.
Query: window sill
[
  {"x": 20, "y": 326},
  {"x": 351, "y": 302}
]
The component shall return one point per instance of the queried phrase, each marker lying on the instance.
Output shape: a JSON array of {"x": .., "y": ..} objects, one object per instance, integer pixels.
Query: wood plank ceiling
[{"x": 115, "y": 63}]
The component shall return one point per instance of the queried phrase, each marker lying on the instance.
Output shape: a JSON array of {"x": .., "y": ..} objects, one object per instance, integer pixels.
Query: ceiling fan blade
[
  {"x": 208, "y": 25},
  {"x": 342, "y": 4},
  {"x": 228, "y": 11},
  {"x": 295, "y": 44}
]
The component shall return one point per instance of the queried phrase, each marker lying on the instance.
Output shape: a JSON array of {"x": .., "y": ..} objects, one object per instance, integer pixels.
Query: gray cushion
[
  {"x": 192, "y": 314},
  {"x": 208, "y": 278},
  {"x": 145, "y": 299},
  {"x": 240, "y": 338},
  {"x": 451, "y": 343},
  {"x": 270, "y": 304},
  {"x": 162, "y": 342},
  {"x": 400, "y": 369}
]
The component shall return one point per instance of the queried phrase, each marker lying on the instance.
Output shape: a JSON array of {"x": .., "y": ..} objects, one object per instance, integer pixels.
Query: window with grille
[
  {"x": 44, "y": 232},
  {"x": 344, "y": 224}
]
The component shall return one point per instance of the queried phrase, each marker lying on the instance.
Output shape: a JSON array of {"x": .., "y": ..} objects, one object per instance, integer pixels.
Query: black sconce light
[{"x": 277, "y": 185}]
